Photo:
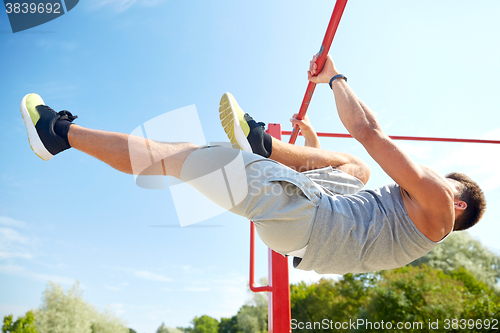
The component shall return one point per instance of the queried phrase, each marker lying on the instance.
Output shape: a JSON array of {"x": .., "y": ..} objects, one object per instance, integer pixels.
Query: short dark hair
[{"x": 469, "y": 192}]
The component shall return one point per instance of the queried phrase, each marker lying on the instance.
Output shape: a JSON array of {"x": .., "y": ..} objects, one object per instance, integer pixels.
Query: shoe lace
[
  {"x": 66, "y": 115},
  {"x": 249, "y": 119}
]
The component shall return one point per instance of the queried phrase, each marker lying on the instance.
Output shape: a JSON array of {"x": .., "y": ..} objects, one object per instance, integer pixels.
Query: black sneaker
[
  {"x": 39, "y": 120},
  {"x": 243, "y": 132}
]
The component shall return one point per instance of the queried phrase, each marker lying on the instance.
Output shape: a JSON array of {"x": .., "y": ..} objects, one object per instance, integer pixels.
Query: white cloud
[
  {"x": 187, "y": 269},
  {"x": 112, "y": 288},
  {"x": 118, "y": 287},
  {"x": 8, "y": 235},
  {"x": 49, "y": 44},
  {"x": 117, "y": 308},
  {"x": 193, "y": 289},
  {"x": 11, "y": 269},
  {"x": 156, "y": 315},
  {"x": 233, "y": 289},
  {"x": 53, "y": 278},
  {"x": 417, "y": 151},
  {"x": 7, "y": 255},
  {"x": 21, "y": 271},
  {"x": 10, "y": 222},
  {"x": 123, "y": 5},
  {"x": 13, "y": 244},
  {"x": 478, "y": 160},
  {"x": 151, "y": 276},
  {"x": 197, "y": 289}
]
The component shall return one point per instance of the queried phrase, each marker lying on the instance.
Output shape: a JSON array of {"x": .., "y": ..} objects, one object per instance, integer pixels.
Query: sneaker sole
[
  {"x": 229, "y": 111},
  {"x": 33, "y": 138}
]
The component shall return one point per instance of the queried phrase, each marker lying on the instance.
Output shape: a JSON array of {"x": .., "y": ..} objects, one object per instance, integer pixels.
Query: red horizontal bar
[{"x": 410, "y": 138}]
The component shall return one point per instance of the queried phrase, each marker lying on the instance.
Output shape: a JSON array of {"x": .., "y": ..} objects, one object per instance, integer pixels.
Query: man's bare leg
[
  {"x": 160, "y": 158},
  {"x": 307, "y": 158},
  {"x": 115, "y": 149},
  {"x": 248, "y": 135}
]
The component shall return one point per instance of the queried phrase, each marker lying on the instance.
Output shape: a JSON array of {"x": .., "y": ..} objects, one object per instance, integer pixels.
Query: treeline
[
  {"x": 64, "y": 312},
  {"x": 454, "y": 288}
]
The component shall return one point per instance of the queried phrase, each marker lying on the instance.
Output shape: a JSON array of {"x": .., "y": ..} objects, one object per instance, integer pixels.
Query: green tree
[
  {"x": 106, "y": 322},
  {"x": 24, "y": 324},
  {"x": 461, "y": 250},
  {"x": 69, "y": 313},
  {"x": 329, "y": 299},
  {"x": 412, "y": 294},
  {"x": 166, "y": 329},
  {"x": 205, "y": 324},
  {"x": 252, "y": 317},
  {"x": 229, "y": 325},
  {"x": 417, "y": 294}
]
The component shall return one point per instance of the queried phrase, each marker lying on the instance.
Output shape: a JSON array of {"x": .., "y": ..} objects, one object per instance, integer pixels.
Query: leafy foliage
[
  {"x": 330, "y": 300},
  {"x": 24, "y": 324},
  {"x": 252, "y": 317},
  {"x": 228, "y": 325},
  {"x": 416, "y": 294},
  {"x": 205, "y": 324},
  {"x": 455, "y": 280},
  {"x": 461, "y": 250},
  {"x": 166, "y": 329},
  {"x": 404, "y": 295},
  {"x": 68, "y": 312}
]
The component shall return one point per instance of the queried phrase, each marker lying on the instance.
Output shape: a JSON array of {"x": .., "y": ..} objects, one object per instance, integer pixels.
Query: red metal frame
[
  {"x": 338, "y": 10},
  {"x": 279, "y": 315},
  {"x": 279, "y": 289},
  {"x": 410, "y": 138}
]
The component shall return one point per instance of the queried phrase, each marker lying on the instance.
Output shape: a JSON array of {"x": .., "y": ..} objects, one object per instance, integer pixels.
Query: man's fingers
[
  {"x": 312, "y": 78},
  {"x": 313, "y": 66}
]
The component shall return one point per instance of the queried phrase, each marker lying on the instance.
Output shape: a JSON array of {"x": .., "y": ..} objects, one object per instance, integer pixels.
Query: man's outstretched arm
[{"x": 431, "y": 194}]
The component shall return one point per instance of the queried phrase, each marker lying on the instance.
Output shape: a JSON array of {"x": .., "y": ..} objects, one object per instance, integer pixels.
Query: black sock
[
  {"x": 268, "y": 143},
  {"x": 259, "y": 140},
  {"x": 61, "y": 127}
]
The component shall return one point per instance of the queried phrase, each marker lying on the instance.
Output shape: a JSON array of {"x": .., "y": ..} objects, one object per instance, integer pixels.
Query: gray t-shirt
[{"x": 362, "y": 232}]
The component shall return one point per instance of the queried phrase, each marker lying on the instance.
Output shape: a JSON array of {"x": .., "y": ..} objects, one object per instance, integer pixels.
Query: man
[{"x": 320, "y": 215}]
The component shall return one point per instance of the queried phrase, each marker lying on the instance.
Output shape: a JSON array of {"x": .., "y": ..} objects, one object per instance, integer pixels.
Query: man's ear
[{"x": 460, "y": 205}]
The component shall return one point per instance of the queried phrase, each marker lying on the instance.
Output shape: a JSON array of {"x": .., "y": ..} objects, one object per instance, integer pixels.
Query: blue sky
[{"x": 426, "y": 68}]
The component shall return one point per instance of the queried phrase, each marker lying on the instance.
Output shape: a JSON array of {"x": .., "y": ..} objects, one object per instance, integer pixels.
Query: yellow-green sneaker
[
  {"x": 233, "y": 120},
  {"x": 40, "y": 120},
  {"x": 243, "y": 132}
]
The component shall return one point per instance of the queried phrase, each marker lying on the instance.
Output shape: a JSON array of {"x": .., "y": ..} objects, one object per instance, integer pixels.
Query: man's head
[{"x": 469, "y": 192}]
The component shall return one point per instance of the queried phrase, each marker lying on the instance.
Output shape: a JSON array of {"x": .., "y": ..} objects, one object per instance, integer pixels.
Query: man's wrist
[
  {"x": 336, "y": 77},
  {"x": 309, "y": 134}
]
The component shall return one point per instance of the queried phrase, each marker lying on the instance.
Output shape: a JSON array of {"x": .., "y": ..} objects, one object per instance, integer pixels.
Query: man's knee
[{"x": 357, "y": 168}]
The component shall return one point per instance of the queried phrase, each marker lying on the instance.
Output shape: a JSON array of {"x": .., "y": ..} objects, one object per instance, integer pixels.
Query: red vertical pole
[
  {"x": 279, "y": 312},
  {"x": 338, "y": 10},
  {"x": 279, "y": 298}
]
